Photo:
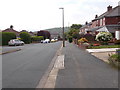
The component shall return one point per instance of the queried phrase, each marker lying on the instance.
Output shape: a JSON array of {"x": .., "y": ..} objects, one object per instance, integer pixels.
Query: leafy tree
[
  {"x": 76, "y": 26},
  {"x": 45, "y": 34},
  {"x": 7, "y": 36},
  {"x": 25, "y": 37}
]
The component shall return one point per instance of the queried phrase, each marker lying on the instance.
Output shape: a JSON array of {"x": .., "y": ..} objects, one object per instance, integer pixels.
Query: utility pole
[{"x": 63, "y": 26}]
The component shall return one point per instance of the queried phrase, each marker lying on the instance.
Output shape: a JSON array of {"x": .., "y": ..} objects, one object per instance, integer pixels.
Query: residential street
[
  {"x": 24, "y": 69},
  {"x": 82, "y": 70}
]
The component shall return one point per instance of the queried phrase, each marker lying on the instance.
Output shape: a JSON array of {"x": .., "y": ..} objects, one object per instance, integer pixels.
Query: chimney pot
[
  {"x": 96, "y": 16},
  {"x": 109, "y": 8}
]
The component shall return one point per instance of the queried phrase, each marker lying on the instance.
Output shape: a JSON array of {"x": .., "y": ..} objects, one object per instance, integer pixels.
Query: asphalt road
[
  {"x": 82, "y": 70},
  {"x": 24, "y": 69}
]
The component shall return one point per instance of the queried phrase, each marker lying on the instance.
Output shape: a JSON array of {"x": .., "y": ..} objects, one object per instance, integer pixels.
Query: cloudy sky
[{"x": 34, "y": 15}]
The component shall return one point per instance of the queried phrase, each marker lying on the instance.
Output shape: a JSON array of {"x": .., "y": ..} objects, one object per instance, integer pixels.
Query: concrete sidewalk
[{"x": 82, "y": 70}]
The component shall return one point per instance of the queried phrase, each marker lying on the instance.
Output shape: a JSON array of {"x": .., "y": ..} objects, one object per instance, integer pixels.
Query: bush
[
  {"x": 70, "y": 39},
  {"x": 7, "y": 36},
  {"x": 25, "y": 37},
  {"x": 115, "y": 60},
  {"x": 82, "y": 40},
  {"x": 89, "y": 37},
  {"x": 104, "y": 36},
  {"x": 36, "y": 38}
]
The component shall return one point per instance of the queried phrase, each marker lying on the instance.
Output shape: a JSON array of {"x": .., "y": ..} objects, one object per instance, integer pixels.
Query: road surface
[{"x": 24, "y": 69}]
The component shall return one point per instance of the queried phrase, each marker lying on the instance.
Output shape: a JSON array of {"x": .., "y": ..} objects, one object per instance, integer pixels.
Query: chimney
[
  {"x": 96, "y": 16},
  {"x": 11, "y": 26},
  {"x": 109, "y": 8},
  {"x": 86, "y": 23}
]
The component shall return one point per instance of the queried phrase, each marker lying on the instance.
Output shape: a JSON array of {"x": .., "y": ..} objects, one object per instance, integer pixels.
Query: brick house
[
  {"x": 107, "y": 22},
  {"x": 11, "y": 30}
]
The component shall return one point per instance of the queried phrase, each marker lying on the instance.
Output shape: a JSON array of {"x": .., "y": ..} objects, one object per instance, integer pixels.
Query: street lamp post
[{"x": 63, "y": 26}]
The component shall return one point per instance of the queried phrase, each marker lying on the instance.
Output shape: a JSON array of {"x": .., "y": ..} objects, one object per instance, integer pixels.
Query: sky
[{"x": 35, "y": 15}]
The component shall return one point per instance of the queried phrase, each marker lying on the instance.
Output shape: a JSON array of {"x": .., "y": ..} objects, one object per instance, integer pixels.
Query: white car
[
  {"x": 46, "y": 41},
  {"x": 15, "y": 42}
]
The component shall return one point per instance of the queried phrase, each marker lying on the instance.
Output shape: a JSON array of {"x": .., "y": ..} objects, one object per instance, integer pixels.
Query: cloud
[{"x": 41, "y": 14}]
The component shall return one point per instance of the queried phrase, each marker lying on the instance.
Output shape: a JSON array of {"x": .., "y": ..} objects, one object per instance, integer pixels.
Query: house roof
[
  {"x": 85, "y": 26},
  {"x": 112, "y": 13},
  {"x": 10, "y": 30},
  {"x": 108, "y": 28},
  {"x": 113, "y": 28},
  {"x": 94, "y": 29}
]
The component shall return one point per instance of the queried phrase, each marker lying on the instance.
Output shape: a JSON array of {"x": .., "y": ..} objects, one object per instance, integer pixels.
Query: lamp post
[{"x": 63, "y": 26}]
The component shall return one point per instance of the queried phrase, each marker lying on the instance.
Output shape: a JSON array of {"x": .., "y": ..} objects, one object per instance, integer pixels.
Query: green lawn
[{"x": 104, "y": 46}]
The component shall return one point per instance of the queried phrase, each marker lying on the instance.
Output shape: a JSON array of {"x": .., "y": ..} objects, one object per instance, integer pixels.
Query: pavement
[
  {"x": 83, "y": 70},
  {"x": 102, "y": 54}
]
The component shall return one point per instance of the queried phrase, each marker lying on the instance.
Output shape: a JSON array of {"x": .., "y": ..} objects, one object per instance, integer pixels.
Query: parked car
[
  {"x": 42, "y": 41},
  {"x": 46, "y": 41},
  {"x": 15, "y": 42},
  {"x": 53, "y": 40}
]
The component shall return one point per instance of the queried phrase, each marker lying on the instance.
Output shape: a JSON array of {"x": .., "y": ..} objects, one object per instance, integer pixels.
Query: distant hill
[{"x": 58, "y": 30}]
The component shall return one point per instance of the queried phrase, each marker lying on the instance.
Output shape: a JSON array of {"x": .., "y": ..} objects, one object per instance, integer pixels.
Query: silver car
[{"x": 15, "y": 42}]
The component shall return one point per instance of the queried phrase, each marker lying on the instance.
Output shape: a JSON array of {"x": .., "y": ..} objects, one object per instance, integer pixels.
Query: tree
[
  {"x": 45, "y": 34},
  {"x": 76, "y": 26},
  {"x": 25, "y": 37}
]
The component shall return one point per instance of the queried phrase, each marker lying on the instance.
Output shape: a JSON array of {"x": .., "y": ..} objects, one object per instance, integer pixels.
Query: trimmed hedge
[
  {"x": 7, "y": 36},
  {"x": 25, "y": 37},
  {"x": 36, "y": 38}
]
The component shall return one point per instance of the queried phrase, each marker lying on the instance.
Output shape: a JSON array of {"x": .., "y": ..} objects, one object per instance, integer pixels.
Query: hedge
[
  {"x": 25, "y": 37},
  {"x": 36, "y": 38},
  {"x": 7, "y": 36}
]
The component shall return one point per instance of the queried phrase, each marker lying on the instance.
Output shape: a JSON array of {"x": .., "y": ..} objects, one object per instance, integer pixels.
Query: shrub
[
  {"x": 70, "y": 39},
  {"x": 115, "y": 60},
  {"x": 7, "y": 36},
  {"x": 104, "y": 36},
  {"x": 25, "y": 37},
  {"x": 82, "y": 40},
  {"x": 37, "y": 38},
  {"x": 89, "y": 37}
]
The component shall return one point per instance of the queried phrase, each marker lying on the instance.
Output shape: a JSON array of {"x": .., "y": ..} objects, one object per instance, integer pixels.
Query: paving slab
[{"x": 102, "y": 50}]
